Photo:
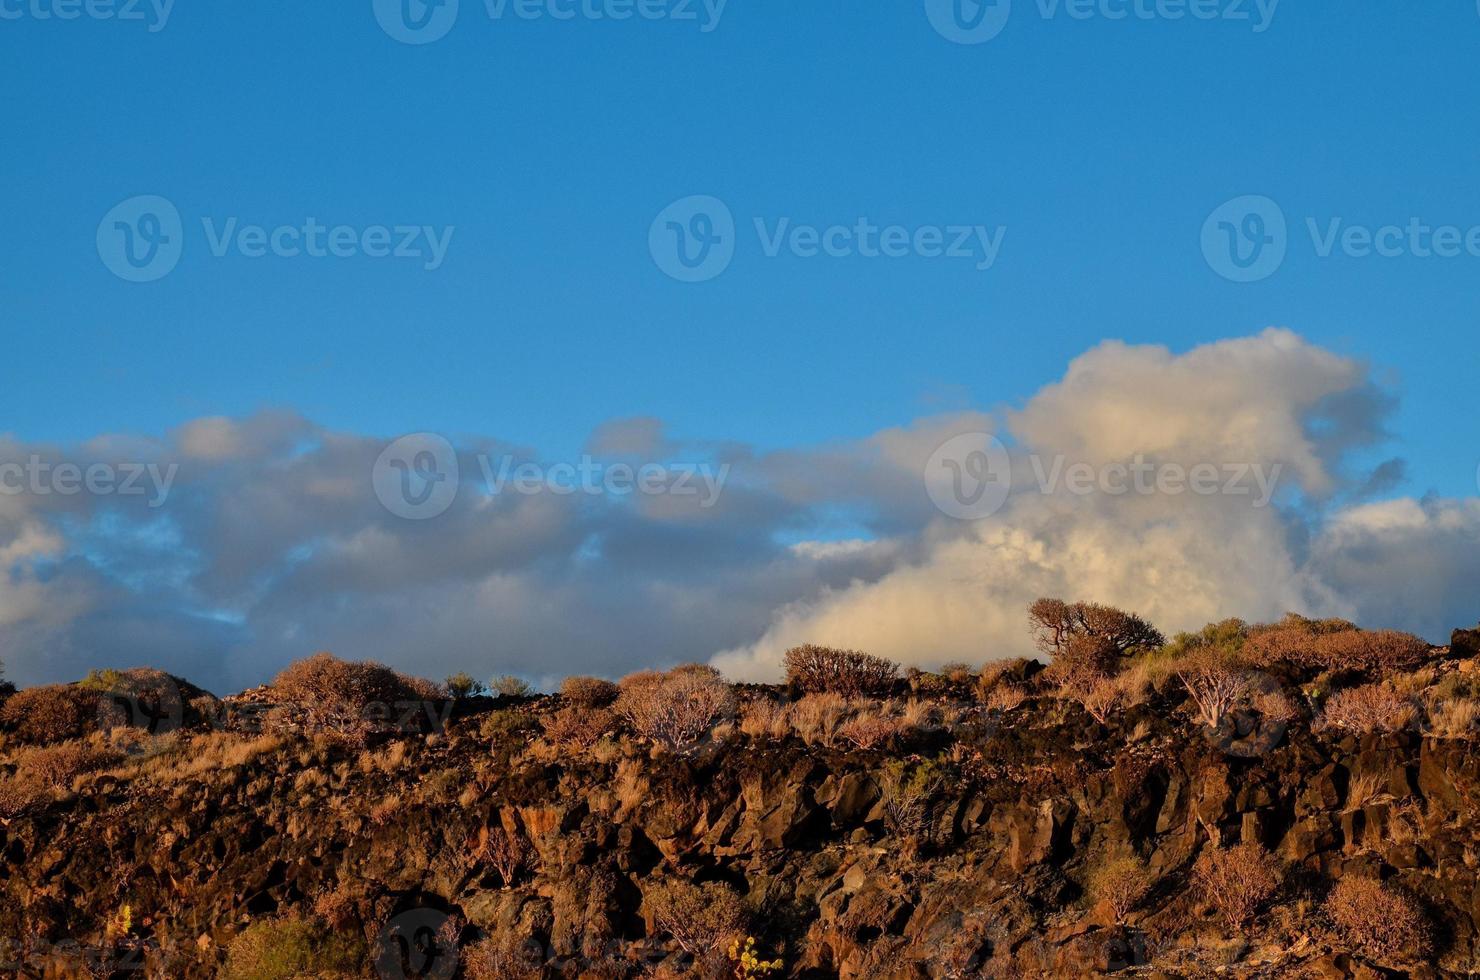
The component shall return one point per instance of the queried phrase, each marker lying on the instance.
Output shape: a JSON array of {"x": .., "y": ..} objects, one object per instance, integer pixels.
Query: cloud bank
[{"x": 272, "y": 543}]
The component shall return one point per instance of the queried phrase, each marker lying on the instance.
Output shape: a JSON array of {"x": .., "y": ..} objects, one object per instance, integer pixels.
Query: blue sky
[
  {"x": 1101, "y": 154},
  {"x": 1101, "y": 145}
]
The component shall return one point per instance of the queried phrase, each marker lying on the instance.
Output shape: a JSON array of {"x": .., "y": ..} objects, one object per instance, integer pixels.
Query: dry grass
[
  {"x": 764, "y": 718},
  {"x": 1005, "y": 697},
  {"x": 1364, "y": 789},
  {"x": 188, "y": 758},
  {"x": 1457, "y": 718},
  {"x": 817, "y": 718}
]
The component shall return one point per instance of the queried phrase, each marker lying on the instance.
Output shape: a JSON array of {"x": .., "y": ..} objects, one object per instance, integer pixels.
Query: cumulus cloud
[
  {"x": 272, "y": 543},
  {"x": 1182, "y": 558}
]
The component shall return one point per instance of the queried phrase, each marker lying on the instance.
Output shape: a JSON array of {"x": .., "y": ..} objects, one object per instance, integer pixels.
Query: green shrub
[
  {"x": 462, "y": 685},
  {"x": 292, "y": 949},
  {"x": 510, "y": 686}
]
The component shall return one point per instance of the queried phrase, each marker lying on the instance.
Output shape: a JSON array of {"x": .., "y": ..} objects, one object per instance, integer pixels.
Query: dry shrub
[
  {"x": 1454, "y": 719},
  {"x": 1215, "y": 681},
  {"x": 700, "y": 918},
  {"x": 1369, "y": 708},
  {"x": 507, "y": 853},
  {"x": 1236, "y": 880},
  {"x": 55, "y": 766},
  {"x": 1089, "y": 636},
  {"x": 678, "y": 708},
  {"x": 1379, "y": 921},
  {"x": 346, "y": 697},
  {"x": 1275, "y": 706},
  {"x": 342, "y": 907},
  {"x": 503, "y": 956},
  {"x": 1334, "y": 645},
  {"x": 45, "y": 715},
  {"x": 589, "y": 692},
  {"x": 577, "y": 728},
  {"x": 17, "y": 796},
  {"x": 1121, "y": 883},
  {"x": 851, "y": 673},
  {"x": 818, "y": 717},
  {"x": 1099, "y": 695},
  {"x": 764, "y": 718},
  {"x": 869, "y": 730}
]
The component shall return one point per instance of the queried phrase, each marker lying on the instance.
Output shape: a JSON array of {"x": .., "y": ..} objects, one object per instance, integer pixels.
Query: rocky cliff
[{"x": 972, "y": 843}]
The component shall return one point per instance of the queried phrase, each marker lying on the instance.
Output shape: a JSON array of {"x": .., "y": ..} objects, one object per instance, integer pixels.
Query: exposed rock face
[{"x": 963, "y": 854}]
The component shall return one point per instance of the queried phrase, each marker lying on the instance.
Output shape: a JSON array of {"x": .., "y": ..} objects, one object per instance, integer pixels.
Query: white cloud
[{"x": 272, "y": 543}]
